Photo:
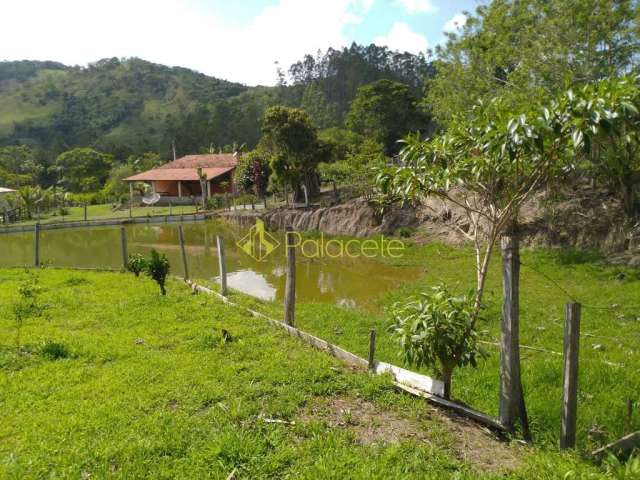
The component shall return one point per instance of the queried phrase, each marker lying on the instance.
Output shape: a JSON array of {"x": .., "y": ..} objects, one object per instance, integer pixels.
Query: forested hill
[{"x": 131, "y": 106}]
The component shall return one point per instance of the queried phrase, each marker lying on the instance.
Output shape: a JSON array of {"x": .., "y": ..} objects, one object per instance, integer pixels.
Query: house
[{"x": 178, "y": 181}]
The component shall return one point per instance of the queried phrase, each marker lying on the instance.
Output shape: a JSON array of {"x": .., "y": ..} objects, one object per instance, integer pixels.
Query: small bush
[
  {"x": 136, "y": 264},
  {"x": 157, "y": 267},
  {"x": 437, "y": 331},
  {"x": 54, "y": 350}
]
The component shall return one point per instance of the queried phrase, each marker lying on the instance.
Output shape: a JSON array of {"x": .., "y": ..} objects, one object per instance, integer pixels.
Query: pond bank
[{"x": 190, "y": 217}]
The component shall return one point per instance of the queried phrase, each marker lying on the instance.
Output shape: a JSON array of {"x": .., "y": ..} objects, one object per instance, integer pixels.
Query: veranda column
[{"x": 179, "y": 189}]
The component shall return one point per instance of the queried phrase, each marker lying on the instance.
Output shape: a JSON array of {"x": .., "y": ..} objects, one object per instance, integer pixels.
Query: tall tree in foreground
[
  {"x": 491, "y": 161},
  {"x": 529, "y": 50}
]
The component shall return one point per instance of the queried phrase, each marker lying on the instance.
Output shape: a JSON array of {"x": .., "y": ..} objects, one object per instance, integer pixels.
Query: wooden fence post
[
  {"x": 372, "y": 349},
  {"x": 222, "y": 266},
  {"x": 570, "y": 381},
  {"x": 510, "y": 383},
  {"x": 290, "y": 284},
  {"x": 185, "y": 268},
  {"x": 36, "y": 245},
  {"x": 85, "y": 212},
  {"x": 123, "y": 248}
]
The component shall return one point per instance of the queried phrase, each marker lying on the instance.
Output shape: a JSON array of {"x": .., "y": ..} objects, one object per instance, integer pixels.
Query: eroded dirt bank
[{"x": 590, "y": 220}]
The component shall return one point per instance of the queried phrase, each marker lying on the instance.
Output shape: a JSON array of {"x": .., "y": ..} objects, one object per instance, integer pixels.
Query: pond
[{"x": 344, "y": 281}]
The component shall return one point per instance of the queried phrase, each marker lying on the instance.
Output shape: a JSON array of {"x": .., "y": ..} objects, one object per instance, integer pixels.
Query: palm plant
[{"x": 29, "y": 197}]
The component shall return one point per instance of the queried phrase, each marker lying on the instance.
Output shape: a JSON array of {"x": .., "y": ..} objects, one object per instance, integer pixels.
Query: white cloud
[
  {"x": 402, "y": 38},
  {"x": 418, "y": 6},
  {"x": 173, "y": 33},
  {"x": 455, "y": 23}
]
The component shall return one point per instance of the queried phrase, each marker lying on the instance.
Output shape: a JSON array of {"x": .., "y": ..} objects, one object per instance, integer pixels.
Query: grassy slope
[
  {"x": 609, "y": 347},
  {"x": 149, "y": 391},
  {"x": 15, "y": 108}
]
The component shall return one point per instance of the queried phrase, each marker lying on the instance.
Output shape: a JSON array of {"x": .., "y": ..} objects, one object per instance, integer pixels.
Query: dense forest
[{"x": 129, "y": 106}]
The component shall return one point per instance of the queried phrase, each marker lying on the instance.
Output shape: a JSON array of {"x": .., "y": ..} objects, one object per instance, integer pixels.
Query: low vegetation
[
  {"x": 141, "y": 385},
  {"x": 609, "y": 347}
]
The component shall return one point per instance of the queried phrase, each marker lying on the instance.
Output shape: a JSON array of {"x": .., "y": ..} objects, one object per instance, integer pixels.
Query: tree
[
  {"x": 202, "y": 177},
  {"x": 529, "y": 50},
  {"x": 29, "y": 198},
  {"x": 435, "y": 331},
  {"x": 339, "y": 73},
  {"x": 19, "y": 166},
  {"x": 385, "y": 111},
  {"x": 491, "y": 161},
  {"x": 115, "y": 188},
  {"x": 292, "y": 141},
  {"x": 253, "y": 173},
  {"x": 313, "y": 102},
  {"x": 145, "y": 161},
  {"x": 358, "y": 169},
  {"x": 83, "y": 170}
]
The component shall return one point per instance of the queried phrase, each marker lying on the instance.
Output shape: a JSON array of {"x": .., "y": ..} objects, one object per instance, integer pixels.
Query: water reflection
[{"x": 348, "y": 282}]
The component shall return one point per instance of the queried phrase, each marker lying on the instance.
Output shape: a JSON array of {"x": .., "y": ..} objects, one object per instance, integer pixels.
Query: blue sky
[{"x": 237, "y": 40}]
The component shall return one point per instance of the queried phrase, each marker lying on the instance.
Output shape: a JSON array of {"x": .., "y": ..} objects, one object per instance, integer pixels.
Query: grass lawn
[
  {"x": 113, "y": 380},
  {"x": 609, "y": 372},
  {"x": 103, "y": 212}
]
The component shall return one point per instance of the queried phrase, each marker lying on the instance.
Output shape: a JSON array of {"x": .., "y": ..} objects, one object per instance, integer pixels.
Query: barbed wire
[
  {"x": 573, "y": 298},
  {"x": 567, "y": 293}
]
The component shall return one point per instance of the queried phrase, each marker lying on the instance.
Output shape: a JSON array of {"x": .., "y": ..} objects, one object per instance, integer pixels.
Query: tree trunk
[
  {"x": 511, "y": 403},
  {"x": 447, "y": 373},
  {"x": 628, "y": 195}
]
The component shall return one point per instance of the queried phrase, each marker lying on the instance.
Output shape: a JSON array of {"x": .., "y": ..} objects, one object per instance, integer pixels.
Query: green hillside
[
  {"x": 130, "y": 106},
  {"x": 112, "y": 104}
]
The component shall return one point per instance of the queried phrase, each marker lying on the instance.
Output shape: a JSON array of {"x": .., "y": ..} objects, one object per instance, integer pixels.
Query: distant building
[{"x": 178, "y": 181}]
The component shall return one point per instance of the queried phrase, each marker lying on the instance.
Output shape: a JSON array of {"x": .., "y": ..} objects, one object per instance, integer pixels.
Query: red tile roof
[
  {"x": 204, "y": 161},
  {"x": 186, "y": 168},
  {"x": 185, "y": 174}
]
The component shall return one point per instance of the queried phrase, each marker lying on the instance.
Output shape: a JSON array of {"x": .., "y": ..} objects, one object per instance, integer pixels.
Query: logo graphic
[{"x": 258, "y": 243}]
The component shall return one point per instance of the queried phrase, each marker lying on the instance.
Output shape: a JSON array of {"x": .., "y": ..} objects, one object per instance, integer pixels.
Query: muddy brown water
[{"x": 344, "y": 281}]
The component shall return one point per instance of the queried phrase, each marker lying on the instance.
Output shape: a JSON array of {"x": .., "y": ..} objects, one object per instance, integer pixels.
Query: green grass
[
  {"x": 609, "y": 346},
  {"x": 104, "y": 212},
  {"x": 115, "y": 381}
]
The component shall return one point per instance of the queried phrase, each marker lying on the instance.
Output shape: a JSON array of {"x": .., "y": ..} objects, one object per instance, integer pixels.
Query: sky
[{"x": 237, "y": 40}]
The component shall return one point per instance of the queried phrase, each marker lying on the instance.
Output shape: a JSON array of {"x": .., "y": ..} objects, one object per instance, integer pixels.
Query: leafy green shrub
[
  {"x": 157, "y": 267},
  {"x": 136, "y": 264},
  {"x": 54, "y": 350},
  {"x": 437, "y": 331}
]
